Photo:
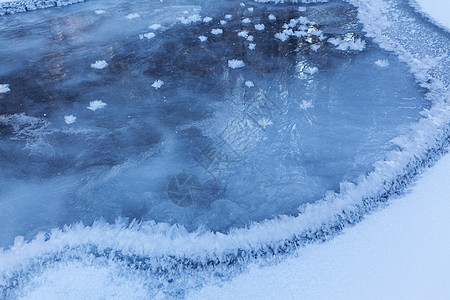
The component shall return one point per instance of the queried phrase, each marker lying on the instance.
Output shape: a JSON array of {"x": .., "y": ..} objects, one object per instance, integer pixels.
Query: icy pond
[{"x": 201, "y": 113}]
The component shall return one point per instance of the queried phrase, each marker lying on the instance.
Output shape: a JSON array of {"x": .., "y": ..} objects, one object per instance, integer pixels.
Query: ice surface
[{"x": 310, "y": 121}]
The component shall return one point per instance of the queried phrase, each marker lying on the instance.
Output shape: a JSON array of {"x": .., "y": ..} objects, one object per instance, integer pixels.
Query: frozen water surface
[{"x": 185, "y": 137}]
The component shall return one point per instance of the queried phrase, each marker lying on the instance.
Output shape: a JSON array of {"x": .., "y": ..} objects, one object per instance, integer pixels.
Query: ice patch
[
  {"x": 216, "y": 31},
  {"x": 70, "y": 119},
  {"x": 154, "y": 26},
  {"x": 157, "y": 84},
  {"x": 96, "y": 104},
  {"x": 260, "y": 26},
  {"x": 100, "y": 11},
  {"x": 132, "y": 16},
  {"x": 202, "y": 38},
  {"x": 207, "y": 19},
  {"x": 249, "y": 84},
  {"x": 246, "y": 21},
  {"x": 99, "y": 65},
  {"x": 235, "y": 64},
  {"x": 4, "y": 88},
  {"x": 382, "y": 63}
]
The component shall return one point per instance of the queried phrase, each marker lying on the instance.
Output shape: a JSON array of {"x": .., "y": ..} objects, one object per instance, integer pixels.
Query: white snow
[
  {"x": 157, "y": 84},
  {"x": 271, "y": 17},
  {"x": 228, "y": 17},
  {"x": 154, "y": 26},
  {"x": 250, "y": 38},
  {"x": 251, "y": 46},
  {"x": 96, "y": 104},
  {"x": 437, "y": 10},
  {"x": 147, "y": 35},
  {"x": 202, "y": 38},
  {"x": 399, "y": 252},
  {"x": 223, "y": 22},
  {"x": 100, "y": 11},
  {"x": 382, "y": 63},
  {"x": 246, "y": 21},
  {"x": 190, "y": 19},
  {"x": 4, "y": 88},
  {"x": 249, "y": 84},
  {"x": 235, "y": 64},
  {"x": 99, "y": 64},
  {"x": 132, "y": 16},
  {"x": 216, "y": 31},
  {"x": 259, "y": 26},
  {"x": 70, "y": 119}
]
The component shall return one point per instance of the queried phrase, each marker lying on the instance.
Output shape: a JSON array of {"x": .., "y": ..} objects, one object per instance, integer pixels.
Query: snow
[
  {"x": 246, "y": 21},
  {"x": 382, "y": 63},
  {"x": 271, "y": 17},
  {"x": 250, "y": 38},
  {"x": 437, "y": 10},
  {"x": 100, "y": 11},
  {"x": 132, "y": 16},
  {"x": 251, "y": 46},
  {"x": 243, "y": 34},
  {"x": 202, "y": 38},
  {"x": 4, "y": 88},
  {"x": 400, "y": 252},
  {"x": 345, "y": 45},
  {"x": 207, "y": 19},
  {"x": 216, "y": 31},
  {"x": 235, "y": 64},
  {"x": 99, "y": 65},
  {"x": 158, "y": 84},
  {"x": 149, "y": 35},
  {"x": 96, "y": 104},
  {"x": 70, "y": 119}
]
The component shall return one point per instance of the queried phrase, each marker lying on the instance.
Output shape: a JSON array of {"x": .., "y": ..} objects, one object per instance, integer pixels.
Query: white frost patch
[
  {"x": 249, "y": 84},
  {"x": 96, "y": 104},
  {"x": 250, "y": 9},
  {"x": 265, "y": 122},
  {"x": 202, "y": 38},
  {"x": 154, "y": 26},
  {"x": 243, "y": 34},
  {"x": 100, "y": 11},
  {"x": 301, "y": 9},
  {"x": 260, "y": 27},
  {"x": 207, "y": 19},
  {"x": 272, "y": 17},
  {"x": 223, "y": 22},
  {"x": 147, "y": 35},
  {"x": 70, "y": 119},
  {"x": 251, "y": 46},
  {"x": 242, "y": 4},
  {"x": 306, "y": 104},
  {"x": 311, "y": 70},
  {"x": 382, "y": 63},
  {"x": 99, "y": 65},
  {"x": 250, "y": 38},
  {"x": 344, "y": 45},
  {"x": 282, "y": 36},
  {"x": 4, "y": 88},
  {"x": 315, "y": 47},
  {"x": 246, "y": 21},
  {"x": 132, "y": 16},
  {"x": 191, "y": 19},
  {"x": 228, "y": 17},
  {"x": 157, "y": 84},
  {"x": 235, "y": 64},
  {"x": 216, "y": 31}
]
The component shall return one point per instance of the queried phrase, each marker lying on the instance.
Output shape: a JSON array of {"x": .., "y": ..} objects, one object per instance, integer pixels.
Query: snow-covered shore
[{"x": 16, "y": 6}]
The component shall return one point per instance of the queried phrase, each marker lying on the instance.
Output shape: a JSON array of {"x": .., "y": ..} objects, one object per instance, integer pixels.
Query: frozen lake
[{"x": 204, "y": 113}]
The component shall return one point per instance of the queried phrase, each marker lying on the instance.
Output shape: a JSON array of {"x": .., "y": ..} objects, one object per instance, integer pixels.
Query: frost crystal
[
  {"x": 382, "y": 63},
  {"x": 157, "y": 84},
  {"x": 216, "y": 31},
  {"x": 260, "y": 26},
  {"x": 96, "y": 104},
  {"x": 202, "y": 38},
  {"x": 4, "y": 88},
  {"x": 235, "y": 63},
  {"x": 70, "y": 119},
  {"x": 99, "y": 64},
  {"x": 132, "y": 16}
]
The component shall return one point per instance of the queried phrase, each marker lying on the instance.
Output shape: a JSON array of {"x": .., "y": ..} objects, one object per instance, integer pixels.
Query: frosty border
[
  {"x": 165, "y": 248},
  {"x": 18, "y": 6}
]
